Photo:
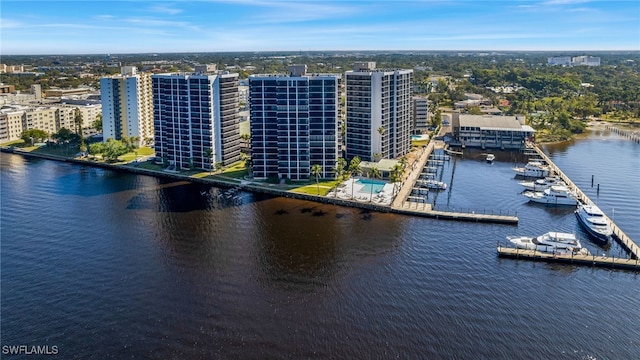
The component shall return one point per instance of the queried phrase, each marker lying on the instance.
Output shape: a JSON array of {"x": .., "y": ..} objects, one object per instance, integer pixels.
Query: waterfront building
[
  {"x": 420, "y": 115},
  {"x": 196, "y": 119},
  {"x": 378, "y": 112},
  {"x": 294, "y": 124},
  {"x": 15, "y": 119},
  {"x": 88, "y": 110},
  {"x": 488, "y": 131},
  {"x": 11, "y": 123},
  {"x": 127, "y": 105}
]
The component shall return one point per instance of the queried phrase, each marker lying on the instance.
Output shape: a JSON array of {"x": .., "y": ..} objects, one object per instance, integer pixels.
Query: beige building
[
  {"x": 11, "y": 123},
  {"x": 127, "y": 105},
  {"x": 14, "y": 119}
]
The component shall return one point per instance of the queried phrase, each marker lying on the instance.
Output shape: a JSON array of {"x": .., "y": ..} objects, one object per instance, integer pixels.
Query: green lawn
[
  {"x": 130, "y": 156},
  {"x": 59, "y": 150},
  {"x": 312, "y": 189},
  {"x": 14, "y": 142}
]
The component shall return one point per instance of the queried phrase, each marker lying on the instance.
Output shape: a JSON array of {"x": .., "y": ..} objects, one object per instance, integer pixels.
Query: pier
[
  {"x": 631, "y": 135},
  {"x": 590, "y": 260},
  {"x": 622, "y": 238}
]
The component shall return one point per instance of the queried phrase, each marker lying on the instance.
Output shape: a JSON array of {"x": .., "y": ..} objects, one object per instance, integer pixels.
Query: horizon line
[{"x": 316, "y": 51}]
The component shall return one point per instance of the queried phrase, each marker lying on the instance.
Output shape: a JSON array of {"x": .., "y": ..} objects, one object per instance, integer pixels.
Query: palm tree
[
  {"x": 207, "y": 155},
  {"x": 341, "y": 163},
  {"x": 381, "y": 132},
  {"x": 395, "y": 176},
  {"x": 77, "y": 120},
  {"x": 375, "y": 174},
  {"x": 316, "y": 170},
  {"x": 354, "y": 170},
  {"x": 403, "y": 162}
]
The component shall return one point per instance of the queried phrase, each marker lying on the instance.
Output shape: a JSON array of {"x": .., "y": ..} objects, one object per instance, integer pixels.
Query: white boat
[
  {"x": 432, "y": 184},
  {"x": 554, "y": 195},
  {"x": 533, "y": 169},
  {"x": 593, "y": 220},
  {"x": 551, "y": 242},
  {"x": 542, "y": 184},
  {"x": 490, "y": 158}
]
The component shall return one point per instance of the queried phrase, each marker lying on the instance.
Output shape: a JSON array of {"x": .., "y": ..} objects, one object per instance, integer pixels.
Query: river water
[{"x": 112, "y": 265}]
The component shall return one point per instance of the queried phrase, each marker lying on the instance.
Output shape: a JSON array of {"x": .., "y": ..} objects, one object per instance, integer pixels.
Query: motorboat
[
  {"x": 490, "y": 158},
  {"x": 551, "y": 242},
  {"x": 542, "y": 184},
  {"x": 554, "y": 195},
  {"x": 594, "y": 222},
  {"x": 533, "y": 169},
  {"x": 432, "y": 184}
]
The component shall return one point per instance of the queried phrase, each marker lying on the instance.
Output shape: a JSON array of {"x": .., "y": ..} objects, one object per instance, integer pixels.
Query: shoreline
[{"x": 253, "y": 188}]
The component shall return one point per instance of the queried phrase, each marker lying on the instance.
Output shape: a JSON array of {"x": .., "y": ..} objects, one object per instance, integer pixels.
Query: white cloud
[{"x": 165, "y": 9}]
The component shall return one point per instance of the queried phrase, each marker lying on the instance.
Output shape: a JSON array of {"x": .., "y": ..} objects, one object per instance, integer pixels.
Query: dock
[
  {"x": 402, "y": 205},
  {"x": 589, "y": 260},
  {"x": 623, "y": 239}
]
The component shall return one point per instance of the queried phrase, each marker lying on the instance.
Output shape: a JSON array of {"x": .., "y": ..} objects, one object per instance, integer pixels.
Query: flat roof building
[
  {"x": 196, "y": 119},
  {"x": 294, "y": 124},
  {"x": 488, "y": 131},
  {"x": 378, "y": 112}
]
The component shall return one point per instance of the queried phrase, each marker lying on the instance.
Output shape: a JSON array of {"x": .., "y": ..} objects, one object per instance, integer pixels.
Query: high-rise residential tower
[
  {"x": 127, "y": 107},
  {"x": 378, "y": 119},
  {"x": 196, "y": 119},
  {"x": 294, "y": 124}
]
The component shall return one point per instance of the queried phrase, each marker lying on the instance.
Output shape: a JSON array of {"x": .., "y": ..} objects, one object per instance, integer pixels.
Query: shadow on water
[{"x": 182, "y": 196}]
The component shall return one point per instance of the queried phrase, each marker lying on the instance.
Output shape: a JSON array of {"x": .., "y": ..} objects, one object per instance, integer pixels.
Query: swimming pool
[
  {"x": 419, "y": 137},
  {"x": 368, "y": 184}
]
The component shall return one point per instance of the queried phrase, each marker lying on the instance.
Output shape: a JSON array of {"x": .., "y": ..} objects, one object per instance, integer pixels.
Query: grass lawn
[
  {"x": 59, "y": 150},
  {"x": 236, "y": 170},
  {"x": 312, "y": 189},
  {"x": 14, "y": 142},
  {"x": 130, "y": 156},
  {"x": 419, "y": 143}
]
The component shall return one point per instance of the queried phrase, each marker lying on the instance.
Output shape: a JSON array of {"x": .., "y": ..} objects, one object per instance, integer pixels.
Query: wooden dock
[
  {"x": 622, "y": 238},
  {"x": 590, "y": 260}
]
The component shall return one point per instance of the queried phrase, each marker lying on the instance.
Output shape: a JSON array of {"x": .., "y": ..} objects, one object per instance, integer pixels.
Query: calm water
[{"x": 110, "y": 265}]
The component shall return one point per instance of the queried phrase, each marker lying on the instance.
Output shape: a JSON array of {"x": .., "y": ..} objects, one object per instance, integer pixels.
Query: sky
[{"x": 114, "y": 27}]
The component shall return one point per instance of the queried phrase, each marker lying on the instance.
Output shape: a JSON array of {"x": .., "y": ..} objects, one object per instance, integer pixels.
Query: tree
[
  {"x": 63, "y": 135},
  {"x": 112, "y": 149},
  {"x": 354, "y": 170},
  {"x": 395, "y": 176},
  {"x": 32, "y": 136},
  {"x": 96, "y": 148},
  {"x": 97, "y": 124},
  {"x": 208, "y": 155},
  {"x": 316, "y": 170},
  {"x": 381, "y": 132},
  {"x": 341, "y": 163},
  {"x": 77, "y": 120},
  {"x": 375, "y": 174}
]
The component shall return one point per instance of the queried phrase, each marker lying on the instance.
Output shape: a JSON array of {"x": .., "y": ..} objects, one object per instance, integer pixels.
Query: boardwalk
[{"x": 592, "y": 260}]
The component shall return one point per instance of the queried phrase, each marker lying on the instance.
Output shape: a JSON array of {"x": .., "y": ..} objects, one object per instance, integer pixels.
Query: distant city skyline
[{"x": 96, "y": 27}]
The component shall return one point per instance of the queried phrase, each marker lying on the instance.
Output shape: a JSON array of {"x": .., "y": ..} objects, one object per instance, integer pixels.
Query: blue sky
[{"x": 97, "y": 27}]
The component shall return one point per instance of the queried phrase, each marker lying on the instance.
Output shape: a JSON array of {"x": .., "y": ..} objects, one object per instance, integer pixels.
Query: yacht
[
  {"x": 533, "y": 169},
  {"x": 551, "y": 242},
  {"x": 490, "y": 158},
  {"x": 542, "y": 184},
  {"x": 432, "y": 184},
  {"x": 554, "y": 195},
  {"x": 593, "y": 220}
]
